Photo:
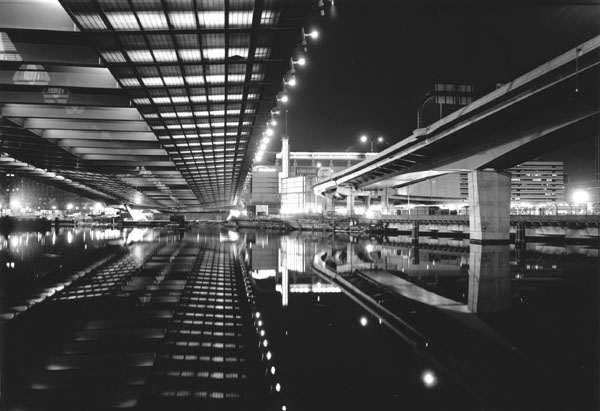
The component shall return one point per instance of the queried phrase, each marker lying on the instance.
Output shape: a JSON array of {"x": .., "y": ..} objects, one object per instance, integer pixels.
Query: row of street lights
[{"x": 289, "y": 79}]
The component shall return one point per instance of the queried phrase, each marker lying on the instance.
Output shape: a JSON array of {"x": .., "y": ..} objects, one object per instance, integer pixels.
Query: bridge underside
[
  {"x": 549, "y": 107},
  {"x": 153, "y": 104}
]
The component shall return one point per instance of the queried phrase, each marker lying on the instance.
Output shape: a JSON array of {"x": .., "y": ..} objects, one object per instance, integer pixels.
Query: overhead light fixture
[
  {"x": 300, "y": 62},
  {"x": 312, "y": 34},
  {"x": 283, "y": 98}
]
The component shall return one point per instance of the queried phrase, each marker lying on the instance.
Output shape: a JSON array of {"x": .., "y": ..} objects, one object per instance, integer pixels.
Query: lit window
[
  {"x": 141, "y": 101},
  {"x": 215, "y": 79},
  {"x": 183, "y": 20},
  {"x": 152, "y": 20},
  {"x": 140, "y": 56},
  {"x": 190, "y": 54},
  {"x": 217, "y": 53},
  {"x": 261, "y": 52},
  {"x": 90, "y": 21},
  {"x": 123, "y": 21},
  {"x": 236, "y": 78},
  {"x": 240, "y": 18},
  {"x": 113, "y": 56},
  {"x": 152, "y": 81},
  {"x": 268, "y": 18},
  {"x": 194, "y": 80},
  {"x": 238, "y": 52},
  {"x": 211, "y": 19},
  {"x": 130, "y": 82},
  {"x": 165, "y": 55},
  {"x": 173, "y": 81}
]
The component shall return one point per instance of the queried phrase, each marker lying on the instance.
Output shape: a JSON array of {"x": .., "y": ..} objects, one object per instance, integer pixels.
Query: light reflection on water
[
  {"x": 504, "y": 289},
  {"x": 328, "y": 347}
]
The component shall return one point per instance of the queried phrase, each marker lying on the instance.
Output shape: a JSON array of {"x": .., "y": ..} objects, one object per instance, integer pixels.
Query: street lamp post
[{"x": 365, "y": 139}]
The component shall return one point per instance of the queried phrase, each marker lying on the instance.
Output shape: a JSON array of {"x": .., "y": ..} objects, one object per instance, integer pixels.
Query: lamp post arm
[{"x": 422, "y": 104}]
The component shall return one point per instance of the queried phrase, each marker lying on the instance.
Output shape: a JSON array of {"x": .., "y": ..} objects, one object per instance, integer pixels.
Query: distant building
[
  {"x": 274, "y": 190},
  {"x": 23, "y": 195},
  {"x": 538, "y": 182},
  {"x": 534, "y": 185}
]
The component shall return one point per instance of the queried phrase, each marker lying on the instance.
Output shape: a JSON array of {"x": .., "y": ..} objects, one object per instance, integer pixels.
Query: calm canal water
[{"x": 153, "y": 319}]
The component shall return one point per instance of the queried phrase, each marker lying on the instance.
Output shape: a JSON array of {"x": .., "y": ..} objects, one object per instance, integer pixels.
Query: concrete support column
[
  {"x": 489, "y": 206},
  {"x": 350, "y": 203},
  {"x": 328, "y": 203},
  {"x": 384, "y": 201},
  {"x": 367, "y": 202}
]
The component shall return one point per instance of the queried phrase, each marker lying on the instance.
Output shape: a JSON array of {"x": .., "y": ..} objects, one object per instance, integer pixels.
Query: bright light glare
[
  {"x": 580, "y": 196},
  {"x": 369, "y": 248},
  {"x": 277, "y": 387},
  {"x": 273, "y": 370},
  {"x": 301, "y": 61},
  {"x": 318, "y": 164},
  {"x": 15, "y": 204},
  {"x": 269, "y": 132},
  {"x": 380, "y": 139},
  {"x": 313, "y": 34},
  {"x": 69, "y": 206},
  {"x": 269, "y": 355},
  {"x": 363, "y": 321},
  {"x": 429, "y": 379},
  {"x": 363, "y": 138},
  {"x": 274, "y": 122},
  {"x": 284, "y": 99},
  {"x": 292, "y": 82}
]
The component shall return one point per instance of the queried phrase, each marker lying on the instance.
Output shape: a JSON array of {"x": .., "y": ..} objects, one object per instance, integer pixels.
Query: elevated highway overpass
[{"x": 546, "y": 108}]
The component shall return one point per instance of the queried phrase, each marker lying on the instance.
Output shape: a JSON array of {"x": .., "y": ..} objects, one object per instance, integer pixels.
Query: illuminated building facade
[
  {"x": 538, "y": 182},
  {"x": 274, "y": 191},
  {"x": 20, "y": 195}
]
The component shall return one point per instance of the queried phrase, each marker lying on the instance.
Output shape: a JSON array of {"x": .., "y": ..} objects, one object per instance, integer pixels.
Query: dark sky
[{"x": 375, "y": 60}]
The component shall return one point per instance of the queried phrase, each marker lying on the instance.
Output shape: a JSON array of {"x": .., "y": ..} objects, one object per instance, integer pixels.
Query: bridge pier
[
  {"x": 328, "y": 204},
  {"x": 350, "y": 203},
  {"x": 489, "y": 207}
]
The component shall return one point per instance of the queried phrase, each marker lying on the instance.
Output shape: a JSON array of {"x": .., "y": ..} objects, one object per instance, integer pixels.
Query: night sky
[{"x": 374, "y": 61}]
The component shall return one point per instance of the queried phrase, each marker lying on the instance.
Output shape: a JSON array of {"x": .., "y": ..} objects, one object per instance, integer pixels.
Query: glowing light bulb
[{"x": 429, "y": 379}]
